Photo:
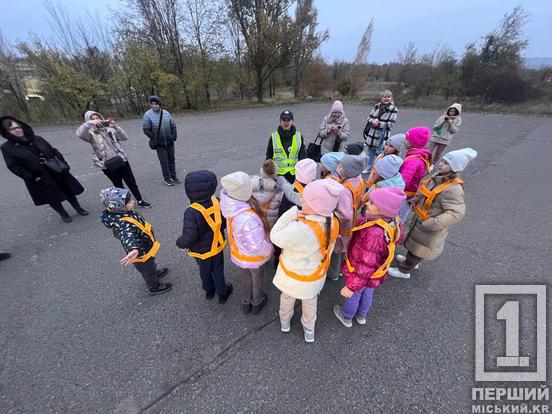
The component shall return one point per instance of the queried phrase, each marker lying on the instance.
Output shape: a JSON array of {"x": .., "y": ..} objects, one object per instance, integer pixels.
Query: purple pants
[{"x": 358, "y": 304}]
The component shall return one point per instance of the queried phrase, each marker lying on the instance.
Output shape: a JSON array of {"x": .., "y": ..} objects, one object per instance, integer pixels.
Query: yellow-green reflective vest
[{"x": 284, "y": 162}]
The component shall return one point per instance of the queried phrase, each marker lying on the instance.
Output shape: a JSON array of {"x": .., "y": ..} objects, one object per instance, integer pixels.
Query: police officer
[{"x": 286, "y": 146}]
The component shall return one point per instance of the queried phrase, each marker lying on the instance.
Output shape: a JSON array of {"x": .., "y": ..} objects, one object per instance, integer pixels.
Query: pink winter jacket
[
  {"x": 414, "y": 169},
  {"x": 248, "y": 231},
  {"x": 367, "y": 252}
]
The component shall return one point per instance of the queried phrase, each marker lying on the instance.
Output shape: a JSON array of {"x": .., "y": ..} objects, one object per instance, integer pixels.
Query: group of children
[{"x": 330, "y": 223}]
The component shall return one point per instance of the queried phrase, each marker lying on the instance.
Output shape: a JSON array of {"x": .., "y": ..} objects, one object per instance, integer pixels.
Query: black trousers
[
  {"x": 124, "y": 174},
  {"x": 58, "y": 207},
  {"x": 211, "y": 271},
  {"x": 148, "y": 270},
  {"x": 166, "y": 159}
]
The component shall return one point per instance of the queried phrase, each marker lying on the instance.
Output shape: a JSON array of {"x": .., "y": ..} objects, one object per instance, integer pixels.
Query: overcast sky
[{"x": 428, "y": 23}]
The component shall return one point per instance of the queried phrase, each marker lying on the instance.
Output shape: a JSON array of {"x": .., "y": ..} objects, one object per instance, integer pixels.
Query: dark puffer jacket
[
  {"x": 131, "y": 237},
  {"x": 196, "y": 233}
]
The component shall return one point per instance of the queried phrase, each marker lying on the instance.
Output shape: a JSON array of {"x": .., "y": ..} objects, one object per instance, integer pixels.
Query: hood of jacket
[
  {"x": 231, "y": 207},
  {"x": 29, "y": 133},
  {"x": 456, "y": 106},
  {"x": 424, "y": 152},
  {"x": 88, "y": 115},
  {"x": 200, "y": 185}
]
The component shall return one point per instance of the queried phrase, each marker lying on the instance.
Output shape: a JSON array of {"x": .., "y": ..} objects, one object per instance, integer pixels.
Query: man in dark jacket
[
  {"x": 198, "y": 234},
  {"x": 160, "y": 128},
  {"x": 286, "y": 147}
]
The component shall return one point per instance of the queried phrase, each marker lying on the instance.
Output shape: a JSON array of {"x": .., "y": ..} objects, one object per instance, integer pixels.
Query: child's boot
[
  {"x": 162, "y": 288},
  {"x": 285, "y": 326},
  {"x": 338, "y": 312},
  {"x": 401, "y": 259},
  {"x": 229, "y": 290},
  {"x": 255, "y": 309},
  {"x": 309, "y": 335},
  {"x": 395, "y": 272}
]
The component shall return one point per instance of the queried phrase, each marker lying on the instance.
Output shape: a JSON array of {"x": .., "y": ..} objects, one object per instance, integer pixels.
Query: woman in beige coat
[
  {"x": 444, "y": 129},
  {"x": 440, "y": 205}
]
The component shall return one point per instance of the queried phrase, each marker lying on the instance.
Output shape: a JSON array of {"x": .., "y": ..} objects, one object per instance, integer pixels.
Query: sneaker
[
  {"x": 4, "y": 256},
  {"x": 169, "y": 182},
  {"x": 210, "y": 294},
  {"x": 246, "y": 307},
  {"x": 309, "y": 335},
  {"x": 338, "y": 312},
  {"x": 175, "y": 180},
  {"x": 360, "y": 320},
  {"x": 66, "y": 219},
  {"x": 401, "y": 259},
  {"x": 162, "y": 272},
  {"x": 395, "y": 272},
  {"x": 256, "y": 309},
  {"x": 82, "y": 212},
  {"x": 162, "y": 288},
  {"x": 229, "y": 290},
  {"x": 143, "y": 204},
  {"x": 285, "y": 326}
]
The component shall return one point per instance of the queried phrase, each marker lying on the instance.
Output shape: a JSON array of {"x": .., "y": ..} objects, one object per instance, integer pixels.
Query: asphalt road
[{"x": 79, "y": 334}]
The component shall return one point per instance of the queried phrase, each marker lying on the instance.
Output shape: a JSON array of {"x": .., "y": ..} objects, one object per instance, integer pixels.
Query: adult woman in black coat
[{"x": 25, "y": 154}]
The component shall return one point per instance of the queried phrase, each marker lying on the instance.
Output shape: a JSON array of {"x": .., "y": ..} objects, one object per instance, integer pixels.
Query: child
[
  {"x": 356, "y": 148},
  {"x": 415, "y": 165},
  {"x": 369, "y": 255},
  {"x": 387, "y": 173},
  {"x": 328, "y": 164},
  {"x": 440, "y": 205},
  {"x": 307, "y": 239},
  {"x": 203, "y": 233},
  {"x": 267, "y": 192},
  {"x": 443, "y": 130},
  {"x": 305, "y": 172},
  {"x": 248, "y": 231},
  {"x": 348, "y": 171},
  {"x": 380, "y": 121},
  {"x": 136, "y": 236},
  {"x": 394, "y": 145}
]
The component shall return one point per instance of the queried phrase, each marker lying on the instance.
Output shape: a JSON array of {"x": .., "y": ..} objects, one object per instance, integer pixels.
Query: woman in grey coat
[
  {"x": 160, "y": 128},
  {"x": 334, "y": 129}
]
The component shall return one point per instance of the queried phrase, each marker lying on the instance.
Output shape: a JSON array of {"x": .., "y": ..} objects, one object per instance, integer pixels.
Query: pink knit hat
[
  {"x": 388, "y": 200},
  {"x": 305, "y": 171},
  {"x": 337, "y": 107},
  {"x": 322, "y": 195},
  {"x": 418, "y": 136}
]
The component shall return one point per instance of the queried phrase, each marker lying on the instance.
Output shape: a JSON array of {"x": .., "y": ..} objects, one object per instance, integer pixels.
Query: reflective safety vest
[
  {"x": 410, "y": 194},
  {"x": 214, "y": 220},
  {"x": 357, "y": 200},
  {"x": 392, "y": 233},
  {"x": 147, "y": 230},
  {"x": 284, "y": 162},
  {"x": 299, "y": 187},
  {"x": 234, "y": 249},
  {"x": 325, "y": 253},
  {"x": 423, "y": 212}
]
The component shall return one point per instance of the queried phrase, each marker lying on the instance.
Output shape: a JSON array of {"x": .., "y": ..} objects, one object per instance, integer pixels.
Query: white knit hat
[
  {"x": 459, "y": 160},
  {"x": 389, "y": 166},
  {"x": 238, "y": 185}
]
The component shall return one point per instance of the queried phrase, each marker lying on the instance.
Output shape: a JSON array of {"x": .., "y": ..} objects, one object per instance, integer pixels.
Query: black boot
[
  {"x": 4, "y": 256},
  {"x": 162, "y": 288},
  {"x": 229, "y": 290},
  {"x": 255, "y": 309}
]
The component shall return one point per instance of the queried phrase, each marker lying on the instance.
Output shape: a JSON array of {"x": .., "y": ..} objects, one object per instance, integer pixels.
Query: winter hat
[
  {"x": 331, "y": 160},
  {"x": 154, "y": 99},
  {"x": 388, "y": 200},
  {"x": 388, "y": 166},
  {"x": 322, "y": 195},
  {"x": 459, "y": 159},
  {"x": 268, "y": 169},
  {"x": 353, "y": 165},
  {"x": 355, "y": 148},
  {"x": 418, "y": 136},
  {"x": 305, "y": 171},
  {"x": 238, "y": 185},
  {"x": 397, "y": 141},
  {"x": 114, "y": 198},
  {"x": 337, "y": 107}
]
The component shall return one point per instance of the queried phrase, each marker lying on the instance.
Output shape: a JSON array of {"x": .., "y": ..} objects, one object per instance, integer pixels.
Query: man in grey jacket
[{"x": 161, "y": 130}]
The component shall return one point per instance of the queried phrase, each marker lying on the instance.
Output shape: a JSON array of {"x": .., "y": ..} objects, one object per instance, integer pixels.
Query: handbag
[
  {"x": 154, "y": 143},
  {"x": 314, "y": 150},
  {"x": 115, "y": 162},
  {"x": 55, "y": 165}
]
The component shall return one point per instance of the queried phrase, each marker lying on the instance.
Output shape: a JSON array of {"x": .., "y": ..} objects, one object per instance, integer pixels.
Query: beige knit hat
[{"x": 238, "y": 185}]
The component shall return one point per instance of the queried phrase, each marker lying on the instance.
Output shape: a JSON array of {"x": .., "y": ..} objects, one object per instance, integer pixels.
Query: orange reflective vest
[
  {"x": 392, "y": 233},
  {"x": 214, "y": 220},
  {"x": 234, "y": 249},
  {"x": 299, "y": 187},
  {"x": 357, "y": 199},
  {"x": 325, "y": 253},
  {"x": 410, "y": 194},
  {"x": 423, "y": 212},
  {"x": 147, "y": 230}
]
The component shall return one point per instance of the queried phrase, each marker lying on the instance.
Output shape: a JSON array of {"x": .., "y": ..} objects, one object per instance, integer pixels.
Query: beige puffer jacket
[{"x": 443, "y": 132}]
